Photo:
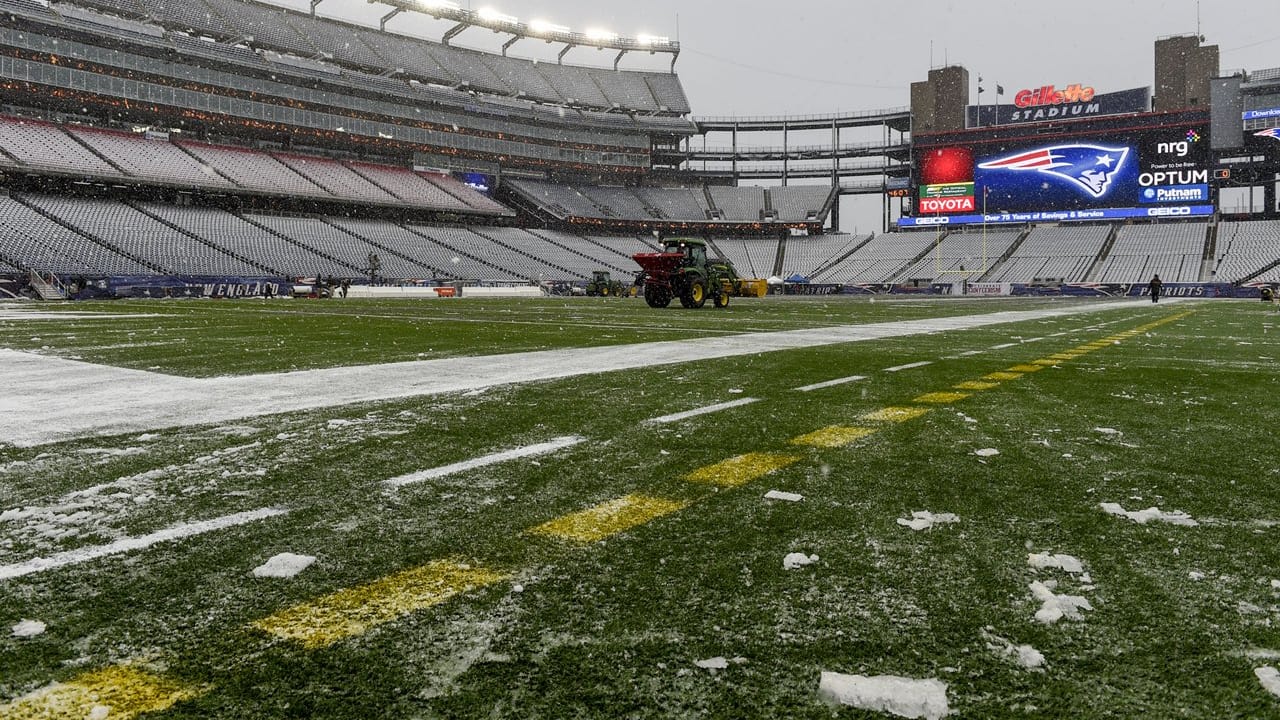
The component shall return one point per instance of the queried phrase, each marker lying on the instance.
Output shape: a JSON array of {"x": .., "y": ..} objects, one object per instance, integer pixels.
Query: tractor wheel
[
  {"x": 694, "y": 296},
  {"x": 604, "y": 292},
  {"x": 722, "y": 300},
  {"x": 657, "y": 297}
]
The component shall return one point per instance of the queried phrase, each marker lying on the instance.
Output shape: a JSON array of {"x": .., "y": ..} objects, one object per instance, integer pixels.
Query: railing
[{"x": 854, "y": 115}]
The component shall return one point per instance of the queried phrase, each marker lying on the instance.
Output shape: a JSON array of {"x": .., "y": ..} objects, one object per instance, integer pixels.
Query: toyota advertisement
[{"x": 1149, "y": 174}]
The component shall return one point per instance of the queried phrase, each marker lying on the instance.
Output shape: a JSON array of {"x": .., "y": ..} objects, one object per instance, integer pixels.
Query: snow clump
[
  {"x": 284, "y": 565},
  {"x": 923, "y": 520},
  {"x": 1142, "y": 517},
  {"x": 904, "y": 697},
  {"x": 798, "y": 560}
]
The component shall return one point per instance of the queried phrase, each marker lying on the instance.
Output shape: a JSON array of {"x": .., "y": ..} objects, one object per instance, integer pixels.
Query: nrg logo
[{"x": 1179, "y": 148}]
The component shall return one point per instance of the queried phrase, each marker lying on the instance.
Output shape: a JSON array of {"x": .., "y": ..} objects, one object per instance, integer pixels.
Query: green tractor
[
  {"x": 683, "y": 271},
  {"x": 602, "y": 285}
]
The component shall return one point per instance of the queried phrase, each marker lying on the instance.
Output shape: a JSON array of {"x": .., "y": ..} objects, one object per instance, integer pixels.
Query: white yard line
[
  {"x": 1005, "y": 346},
  {"x": 79, "y": 555},
  {"x": 67, "y": 399},
  {"x": 523, "y": 452},
  {"x": 908, "y": 366},
  {"x": 677, "y": 417},
  {"x": 831, "y": 383}
]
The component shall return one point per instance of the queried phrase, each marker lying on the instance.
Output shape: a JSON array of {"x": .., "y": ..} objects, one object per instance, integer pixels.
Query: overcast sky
[
  {"x": 760, "y": 57},
  {"x": 795, "y": 57}
]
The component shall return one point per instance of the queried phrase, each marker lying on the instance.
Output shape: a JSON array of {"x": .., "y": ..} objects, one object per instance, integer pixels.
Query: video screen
[{"x": 1141, "y": 172}]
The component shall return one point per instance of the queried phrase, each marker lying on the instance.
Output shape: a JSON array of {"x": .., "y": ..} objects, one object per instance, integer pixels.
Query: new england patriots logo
[
  {"x": 1089, "y": 167},
  {"x": 1273, "y": 133}
]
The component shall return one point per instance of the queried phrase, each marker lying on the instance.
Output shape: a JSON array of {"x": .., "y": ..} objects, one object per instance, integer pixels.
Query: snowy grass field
[{"x": 1073, "y": 515}]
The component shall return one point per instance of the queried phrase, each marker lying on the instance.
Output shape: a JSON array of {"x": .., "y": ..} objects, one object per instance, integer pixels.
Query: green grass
[{"x": 613, "y": 629}]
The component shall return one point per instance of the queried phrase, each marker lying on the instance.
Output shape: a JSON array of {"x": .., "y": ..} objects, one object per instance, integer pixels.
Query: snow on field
[
  {"x": 1054, "y": 607},
  {"x": 901, "y": 696},
  {"x": 798, "y": 560},
  {"x": 1066, "y": 563},
  {"x": 923, "y": 520},
  {"x": 986, "y": 452},
  {"x": 28, "y": 628},
  {"x": 784, "y": 496},
  {"x": 129, "y": 544},
  {"x": 284, "y": 565},
  {"x": 78, "y": 399},
  {"x": 1025, "y": 655},
  {"x": 719, "y": 663},
  {"x": 1269, "y": 678},
  {"x": 1142, "y": 517}
]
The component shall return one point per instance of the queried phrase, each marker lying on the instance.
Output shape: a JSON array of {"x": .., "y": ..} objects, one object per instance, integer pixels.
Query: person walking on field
[{"x": 1154, "y": 288}]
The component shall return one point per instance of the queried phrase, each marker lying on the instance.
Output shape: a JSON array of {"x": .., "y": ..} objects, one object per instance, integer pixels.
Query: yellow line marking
[
  {"x": 1002, "y": 376},
  {"x": 834, "y": 436},
  {"x": 1062, "y": 357},
  {"x": 975, "y": 385},
  {"x": 941, "y": 398},
  {"x": 114, "y": 692},
  {"x": 742, "y": 469},
  {"x": 609, "y": 518},
  {"x": 1026, "y": 368},
  {"x": 894, "y": 414},
  {"x": 353, "y": 611},
  {"x": 1045, "y": 362}
]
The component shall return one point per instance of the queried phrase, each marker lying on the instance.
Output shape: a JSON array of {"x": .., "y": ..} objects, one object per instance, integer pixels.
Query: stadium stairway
[
  {"x": 1207, "y": 271},
  {"x": 284, "y": 238},
  {"x": 617, "y": 263},
  {"x": 45, "y": 289},
  {"x": 841, "y": 258},
  {"x": 993, "y": 271},
  {"x": 380, "y": 246},
  {"x": 491, "y": 238},
  {"x": 1098, "y": 262}
]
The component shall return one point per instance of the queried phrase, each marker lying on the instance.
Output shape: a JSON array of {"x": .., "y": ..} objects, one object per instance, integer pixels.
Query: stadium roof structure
[{"x": 532, "y": 30}]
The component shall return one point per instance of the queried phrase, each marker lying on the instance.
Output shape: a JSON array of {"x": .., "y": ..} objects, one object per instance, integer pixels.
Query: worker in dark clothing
[{"x": 1154, "y": 288}]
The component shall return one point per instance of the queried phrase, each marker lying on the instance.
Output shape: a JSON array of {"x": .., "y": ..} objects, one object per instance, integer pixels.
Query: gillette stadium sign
[{"x": 1049, "y": 102}]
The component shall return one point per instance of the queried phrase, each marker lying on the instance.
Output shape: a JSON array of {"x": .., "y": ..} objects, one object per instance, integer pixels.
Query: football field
[{"x": 794, "y": 507}]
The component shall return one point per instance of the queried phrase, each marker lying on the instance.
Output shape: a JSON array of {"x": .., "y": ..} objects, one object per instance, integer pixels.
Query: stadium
[{"x": 309, "y": 412}]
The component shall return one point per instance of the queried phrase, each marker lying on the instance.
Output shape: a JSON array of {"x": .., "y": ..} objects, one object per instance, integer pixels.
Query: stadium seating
[
  {"x": 680, "y": 203},
  {"x": 1174, "y": 251},
  {"x": 44, "y": 146},
  {"x": 156, "y": 160},
  {"x": 360, "y": 47},
  {"x": 33, "y": 241},
  {"x": 337, "y": 178},
  {"x": 141, "y": 236},
  {"x": 741, "y": 204},
  {"x": 245, "y": 239},
  {"x": 751, "y": 257},
  {"x": 408, "y": 186},
  {"x": 1060, "y": 253},
  {"x": 475, "y": 257},
  {"x": 879, "y": 260},
  {"x": 798, "y": 203},
  {"x": 92, "y": 152},
  {"x": 805, "y": 256},
  {"x": 255, "y": 171},
  {"x": 961, "y": 256},
  {"x": 1248, "y": 251}
]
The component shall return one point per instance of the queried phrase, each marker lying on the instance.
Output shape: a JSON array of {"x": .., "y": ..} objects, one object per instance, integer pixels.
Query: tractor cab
[{"x": 693, "y": 250}]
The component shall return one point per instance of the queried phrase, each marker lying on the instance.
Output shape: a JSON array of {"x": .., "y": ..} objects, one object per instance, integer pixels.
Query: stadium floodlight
[
  {"x": 542, "y": 27},
  {"x": 646, "y": 40},
  {"x": 489, "y": 14},
  {"x": 600, "y": 35}
]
